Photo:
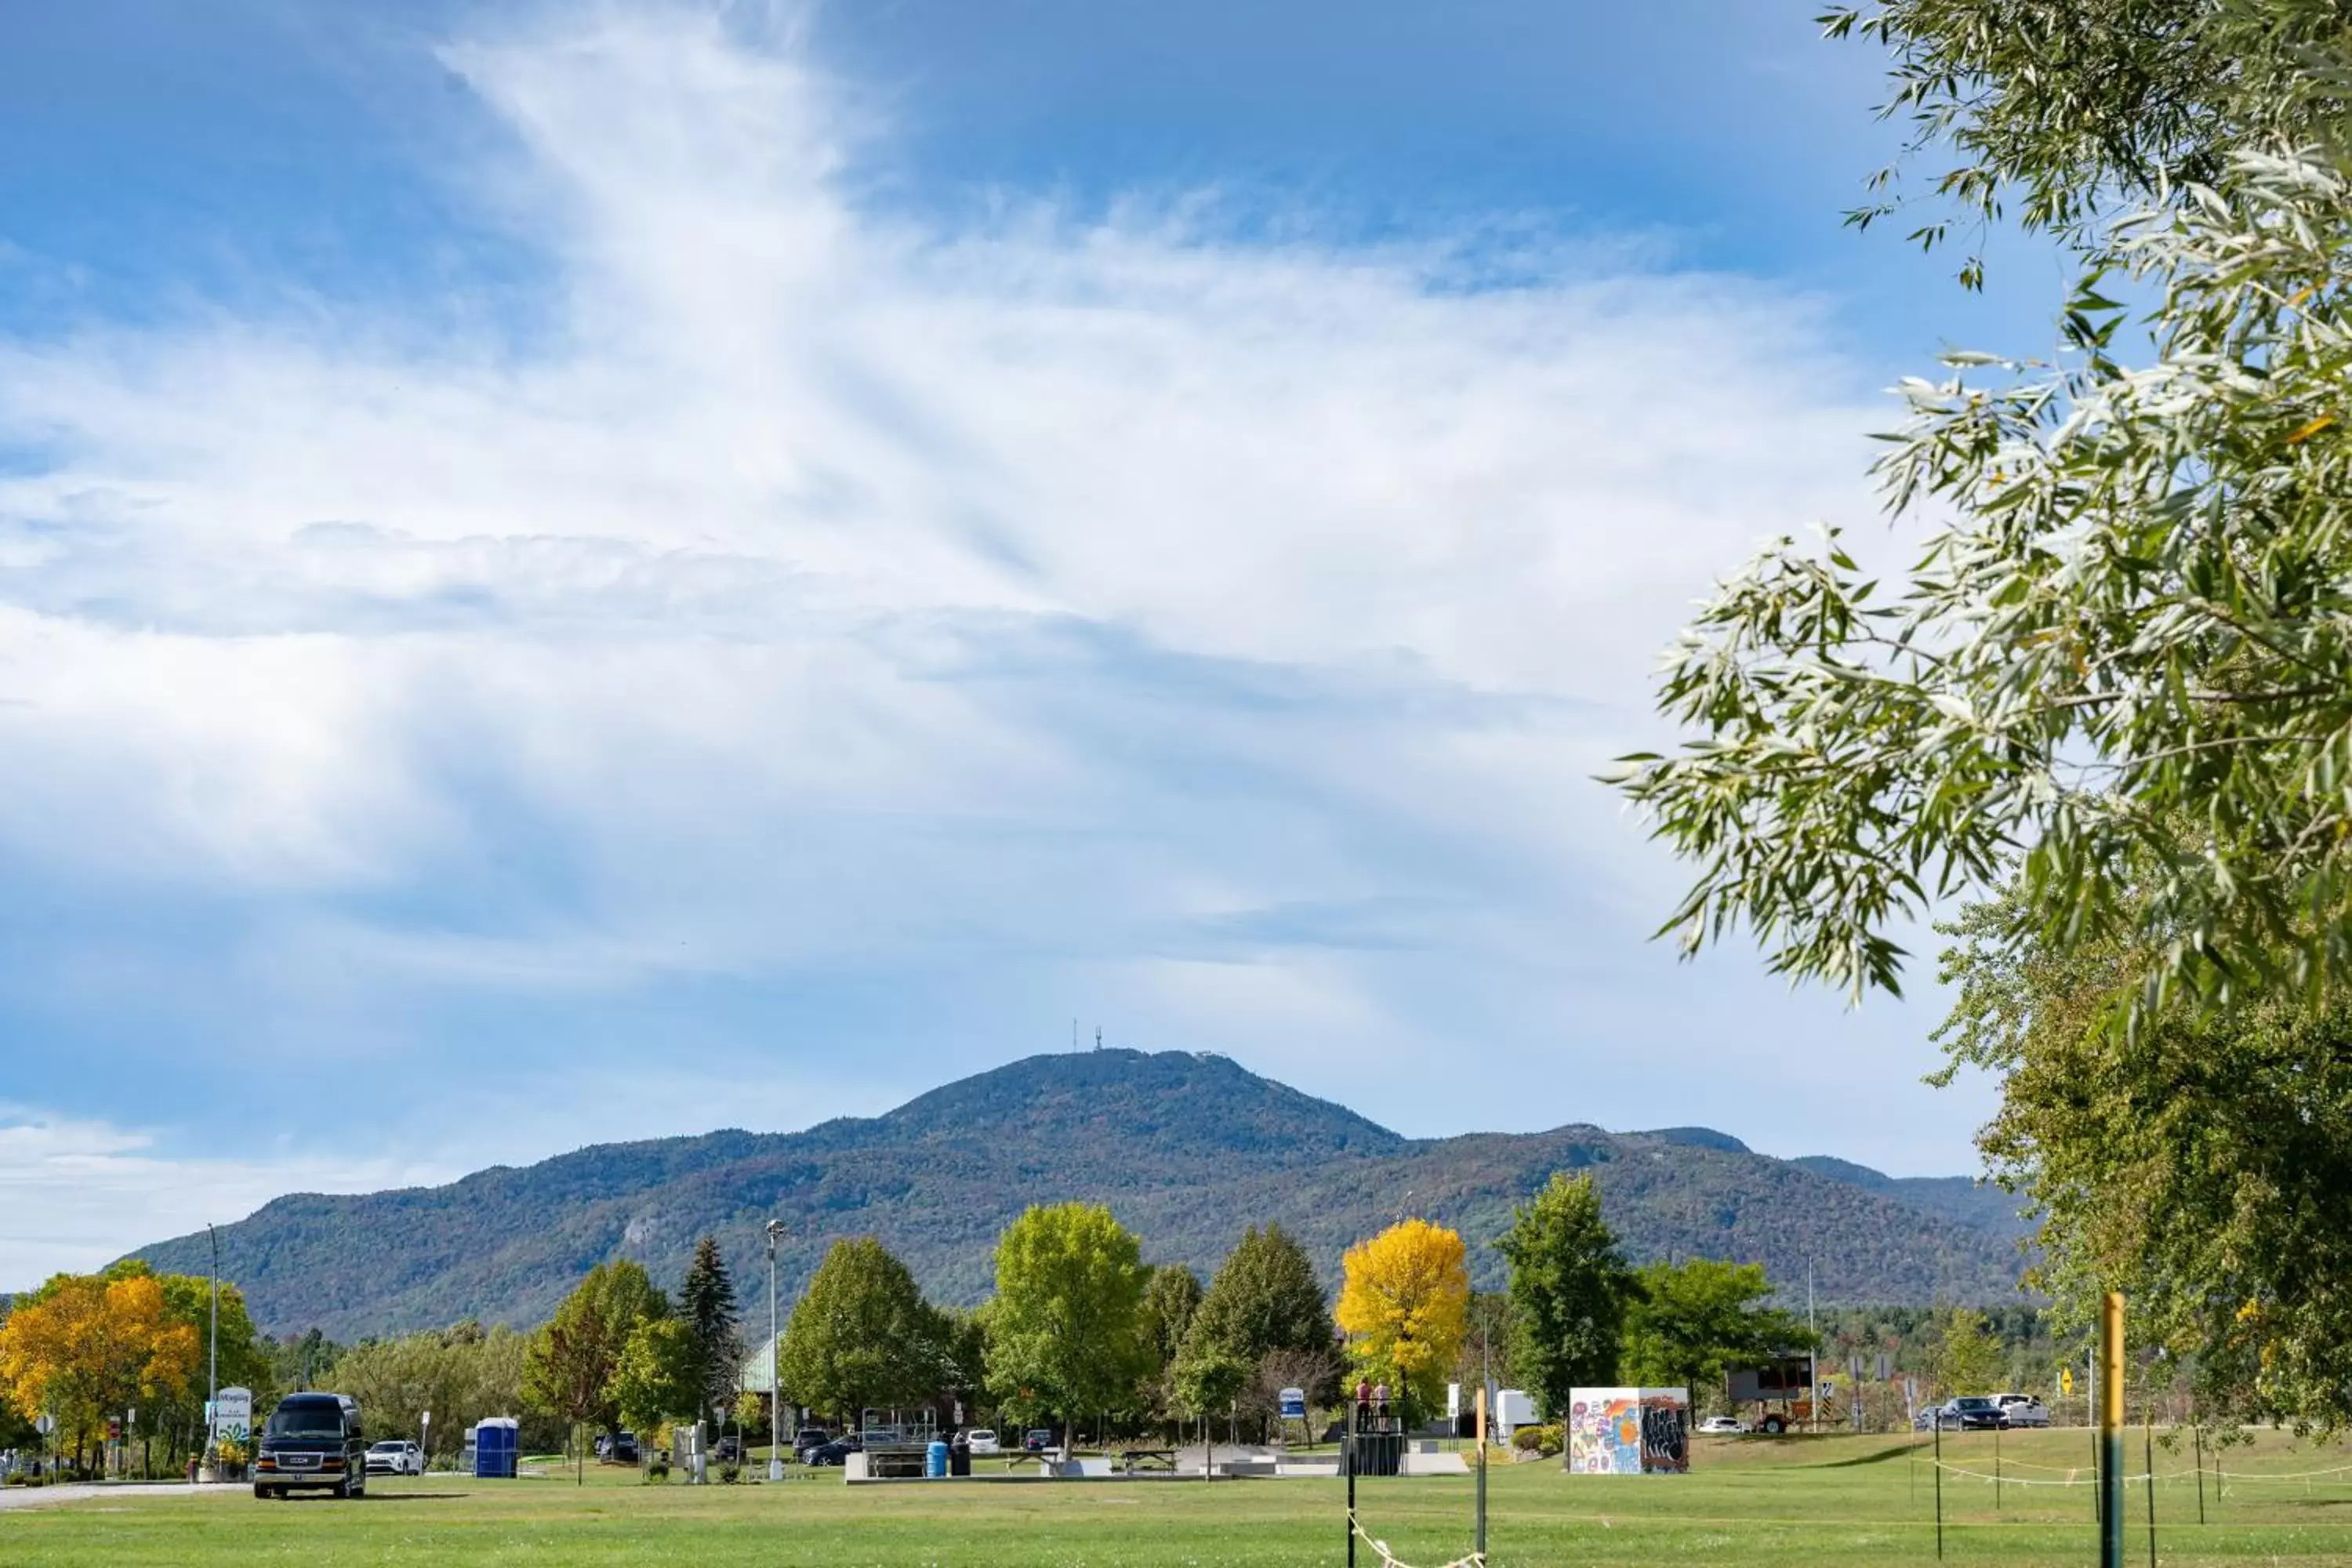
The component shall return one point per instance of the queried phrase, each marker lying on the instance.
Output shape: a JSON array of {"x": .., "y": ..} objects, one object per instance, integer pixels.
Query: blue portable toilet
[
  {"x": 494, "y": 1447},
  {"x": 935, "y": 1458}
]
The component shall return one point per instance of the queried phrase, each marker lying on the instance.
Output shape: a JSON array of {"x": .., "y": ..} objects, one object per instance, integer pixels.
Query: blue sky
[{"x": 580, "y": 573}]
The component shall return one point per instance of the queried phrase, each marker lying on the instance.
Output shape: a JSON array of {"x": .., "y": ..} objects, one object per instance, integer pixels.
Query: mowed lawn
[{"x": 1804, "y": 1501}]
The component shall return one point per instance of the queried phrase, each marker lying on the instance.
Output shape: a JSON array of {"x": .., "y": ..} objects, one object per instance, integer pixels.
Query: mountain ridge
[{"x": 1186, "y": 1147}]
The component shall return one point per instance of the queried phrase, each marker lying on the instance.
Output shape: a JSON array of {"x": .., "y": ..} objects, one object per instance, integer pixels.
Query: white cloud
[
  {"x": 75, "y": 1195},
  {"x": 832, "y": 593}
]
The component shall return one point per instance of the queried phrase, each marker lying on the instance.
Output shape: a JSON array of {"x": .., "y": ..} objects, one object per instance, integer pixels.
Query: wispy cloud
[
  {"x": 1042, "y": 606},
  {"x": 76, "y": 1194}
]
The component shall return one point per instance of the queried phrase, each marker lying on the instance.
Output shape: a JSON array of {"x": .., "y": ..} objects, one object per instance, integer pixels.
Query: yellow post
[{"x": 2111, "y": 1431}]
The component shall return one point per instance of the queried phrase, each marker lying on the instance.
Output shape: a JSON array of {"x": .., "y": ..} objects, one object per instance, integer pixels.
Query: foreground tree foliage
[
  {"x": 2057, "y": 110},
  {"x": 2112, "y": 691},
  {"x": 1404, "y": 1306},
  {"x": 1570, "y": 1288},
  {"x": 2129, "y": 605}
]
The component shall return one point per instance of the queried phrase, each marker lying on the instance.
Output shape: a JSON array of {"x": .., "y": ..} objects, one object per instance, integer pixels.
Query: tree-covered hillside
[{"x": 1186, "y": 1149}]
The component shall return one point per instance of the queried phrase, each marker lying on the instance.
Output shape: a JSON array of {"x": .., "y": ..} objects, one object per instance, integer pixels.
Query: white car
[
  {"x": 2023, "y": 1410},
  {"x": 1723, "y": 1424},
  {"x": 983, "y": 1442},
  {"x": 394, "y": 1457}
]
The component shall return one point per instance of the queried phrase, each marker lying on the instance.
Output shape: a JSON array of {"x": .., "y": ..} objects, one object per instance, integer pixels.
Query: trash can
[
  {"x": 960, "y": 1457},
  {"x": 935, "y": 1460}
]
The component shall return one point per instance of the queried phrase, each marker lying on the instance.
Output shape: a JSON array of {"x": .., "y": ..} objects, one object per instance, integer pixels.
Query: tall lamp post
[
  {"x": 775, "y": 1368},
  {"x": 211, "y": 1374}
]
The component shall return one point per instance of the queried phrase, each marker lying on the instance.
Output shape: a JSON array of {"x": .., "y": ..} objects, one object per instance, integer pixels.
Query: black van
[{"x": 312, "y": 1442}]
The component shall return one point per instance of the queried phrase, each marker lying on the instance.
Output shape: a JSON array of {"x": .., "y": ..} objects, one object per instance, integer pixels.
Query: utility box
[{"x": 1628, "y": 1431}]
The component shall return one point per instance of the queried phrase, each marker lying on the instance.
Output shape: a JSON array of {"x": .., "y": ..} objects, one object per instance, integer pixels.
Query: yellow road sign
[{"x": 2066, "y": 1381}]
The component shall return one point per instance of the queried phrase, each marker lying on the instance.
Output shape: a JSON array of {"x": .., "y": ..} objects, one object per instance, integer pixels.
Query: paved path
[{"x": 33, "y": 1497}]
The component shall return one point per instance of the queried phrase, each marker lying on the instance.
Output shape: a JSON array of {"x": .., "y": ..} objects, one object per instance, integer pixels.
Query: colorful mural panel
[{"x": 1628, "y": 1431}]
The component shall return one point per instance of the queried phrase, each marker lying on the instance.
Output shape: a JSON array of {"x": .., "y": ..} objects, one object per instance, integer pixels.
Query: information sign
[{"x": 233, "y": 1415}]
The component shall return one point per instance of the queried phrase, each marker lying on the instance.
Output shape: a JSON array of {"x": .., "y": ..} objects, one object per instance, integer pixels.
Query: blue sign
[{"x": 1294, "y": 1404}]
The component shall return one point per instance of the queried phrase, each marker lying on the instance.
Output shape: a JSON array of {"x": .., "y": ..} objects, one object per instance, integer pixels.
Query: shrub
[
  {"x": 730, "y": 1474},
  {"x": 657, "y": 1470},
  {"x": 1536, "y": 1442}
]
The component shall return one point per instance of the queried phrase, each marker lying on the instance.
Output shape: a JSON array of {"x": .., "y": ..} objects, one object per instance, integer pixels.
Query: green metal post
[{"x": 1348, "y": 1463}]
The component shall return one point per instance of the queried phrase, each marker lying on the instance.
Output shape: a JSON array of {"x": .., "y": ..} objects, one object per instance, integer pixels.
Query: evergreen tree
[
  {"x": 1570, "y": 1286},
  {"x": 1170, "y": 1302},
  {"x": 1263, "y": 1304},
  {"x": 707, "y": 1305}
]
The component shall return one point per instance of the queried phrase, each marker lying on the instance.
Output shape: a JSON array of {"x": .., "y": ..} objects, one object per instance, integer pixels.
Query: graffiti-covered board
[{"x": 1629, "y": 1431}]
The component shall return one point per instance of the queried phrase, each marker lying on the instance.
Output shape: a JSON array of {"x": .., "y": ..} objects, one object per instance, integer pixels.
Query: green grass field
[{"x": 1815, "y": 1501}]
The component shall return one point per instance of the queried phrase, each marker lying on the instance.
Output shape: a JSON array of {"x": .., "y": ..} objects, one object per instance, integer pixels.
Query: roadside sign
[
  {"x": 44, "y": 1424},
  {"x": 2066, "y": 1381},
  {"x": 1911, "y": 1389},
  {"x": 1294, "y": 1404},
  {"x": 233, "y": 1415},
  {"x": 1885, "y": 1366}
]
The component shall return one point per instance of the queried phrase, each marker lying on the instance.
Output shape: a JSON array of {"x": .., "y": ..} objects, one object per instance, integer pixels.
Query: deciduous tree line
[
  {"x": 89, "y": 1349},
  {"x": 1080, "y": 1329}
]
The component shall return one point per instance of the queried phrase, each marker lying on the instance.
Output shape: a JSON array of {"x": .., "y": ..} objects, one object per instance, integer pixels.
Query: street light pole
[
  {"x": 775, "y": 1367},
  {"x": 211, "y": 1374}
]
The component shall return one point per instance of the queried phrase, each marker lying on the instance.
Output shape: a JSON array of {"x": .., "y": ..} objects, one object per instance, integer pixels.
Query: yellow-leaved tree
[
  {"x": 84, "y": 1347},
  {"x": 1405, "y": 1307}
]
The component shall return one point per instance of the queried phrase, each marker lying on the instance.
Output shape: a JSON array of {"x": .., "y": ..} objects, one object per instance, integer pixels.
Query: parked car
[
  {"x": 312, "y": 1440},
  {"x": 2023, "y": 1410},
  {"x": 808, "y": 1441},
  {"x": 394, "y": 1457},
  {"x": 1969, "y": 1412},
  {"x": 836, "y": 1452},
  {"x": 1723, "y": 1424},
  {"x": 983, "y": 1442},
  {"x": 728, "y": 1451},
  {"x": 1037, "y": 1440}
]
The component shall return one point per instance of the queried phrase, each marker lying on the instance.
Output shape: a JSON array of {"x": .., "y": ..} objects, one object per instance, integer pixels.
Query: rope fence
[
  {"x": 1391, "y": 1560},
  {"x": 2074, "y": 1477}
]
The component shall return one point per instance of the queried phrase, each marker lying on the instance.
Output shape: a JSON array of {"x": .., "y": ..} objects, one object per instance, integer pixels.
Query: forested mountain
[{"x": 1186, "y": 1149}]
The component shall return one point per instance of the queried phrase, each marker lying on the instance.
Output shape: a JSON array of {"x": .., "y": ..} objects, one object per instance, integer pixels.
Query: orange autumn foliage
[
  {"x": 83, "y": 1348},
  {"x": 1405, "y": 1305}
]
